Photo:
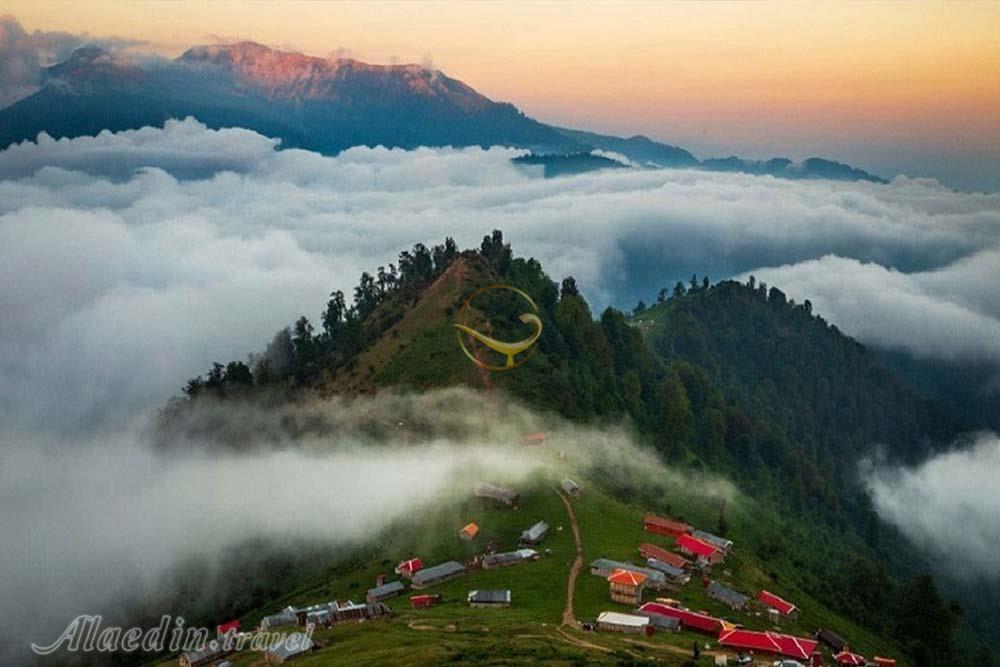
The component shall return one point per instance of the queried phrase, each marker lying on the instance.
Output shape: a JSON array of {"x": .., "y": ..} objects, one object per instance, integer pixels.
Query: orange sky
[{"x": 871, "y": 79}]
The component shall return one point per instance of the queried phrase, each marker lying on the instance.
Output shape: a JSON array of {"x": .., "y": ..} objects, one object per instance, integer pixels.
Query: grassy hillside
[{"x": 531, "y": 631}]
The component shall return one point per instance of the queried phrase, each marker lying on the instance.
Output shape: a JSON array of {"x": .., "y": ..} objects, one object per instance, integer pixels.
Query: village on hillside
[{"x": 642, "y": 599}]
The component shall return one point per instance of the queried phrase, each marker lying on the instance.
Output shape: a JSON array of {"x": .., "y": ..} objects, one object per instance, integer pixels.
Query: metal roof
[
  {"x": 292, "y": 645},
  {"x": 536, "y": 532},
  {"x": 727, "y": 595},
  {"x": 665, "y": 568},
  {"x": 570, "y": 486},
  {"x": 714, "y": 540},
  {"x": 659, "y": 620},
  {"x": 391, "y": 588},
  {"x": 490, "y": 597},
  {"x": 441, "y": 571},
  {"x": 212, "y": 648},
  {"x": 616, "y": 618}
]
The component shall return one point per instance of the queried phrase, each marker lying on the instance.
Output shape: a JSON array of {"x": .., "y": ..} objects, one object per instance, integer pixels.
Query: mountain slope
[
  {"x": 732, "y": 379},
  {"x": 326, "y": 106}
]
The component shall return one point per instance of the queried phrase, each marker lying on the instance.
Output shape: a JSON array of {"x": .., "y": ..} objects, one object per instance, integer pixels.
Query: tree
[
  {"x": 302, "y": 342},
  {"x": 640, "y": 308},
  {"x": 679, "y": 290},
  {"x": 661, "y": 296},
  {"x": 705, "y": 283},
  {"x": 694, "y": 283},
  {"x": 678, "y": 420},
  {"x": 568, "y": 288},
  {"x": 333, "y": 317}
]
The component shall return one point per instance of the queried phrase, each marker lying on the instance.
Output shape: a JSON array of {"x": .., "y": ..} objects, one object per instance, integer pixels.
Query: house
[
  {"x": 424, "y": 601},
  {"x": 690, "y": 620},
  {"x": 603, "y": 567},
  {"x": 285, "y": 617},
  {"x": 783, "y": 607},
  {"x": 290, "y": 647},
  {"x": 571, "y": 488},
  {"x": 533, "y": 438},
  {"x": 406, "y": 568},
  {"x": 493, "y": 492},
  {"x": 627, "y": 586},
  {"x": 318, "y": 618},
  {"x": 703, "y": 551},
  {"x": 207, "y": 654},
  {"x": 648, "y": 550},
  {"x": 508, "y": 558},
  {"x": 673, "y": 574},
  {"x": 884, "y": 662},
  {"x": 720, "y": 543},
  {"x": 385, "y": 591},
  {"x": 767, "y": 642},
  {"x": 659, "y": 621},
  {"x": 429, "y": 576},
  {"x": 227, "y": 628},
  {"x": 302, "y": 614},
  {"x": 612, "y": 621},
  {"x": 469, "y": 532},
  {"x": 831, "y": 639},
  {"x": 848, "y": 659},
  {"x": 489, "y": 598},
  {"x": 663, "y": 526},
  {"x": 535, "y": 534},
  {"x": 727, "y": 595},
  {"x": 349, "y": 612}
]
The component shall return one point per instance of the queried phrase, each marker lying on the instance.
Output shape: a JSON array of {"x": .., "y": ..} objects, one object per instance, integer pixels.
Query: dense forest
[{"x": 733, "y": 378}]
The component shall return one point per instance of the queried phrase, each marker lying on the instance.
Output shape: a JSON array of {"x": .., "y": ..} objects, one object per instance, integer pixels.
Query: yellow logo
[{"x": 509, "y": 350}]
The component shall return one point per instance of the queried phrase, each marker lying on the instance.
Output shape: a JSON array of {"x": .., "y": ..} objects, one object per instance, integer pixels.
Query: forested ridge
[{"x": 732, "y": 378}]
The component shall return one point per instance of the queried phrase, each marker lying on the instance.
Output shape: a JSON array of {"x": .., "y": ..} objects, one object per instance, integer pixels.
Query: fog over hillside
[{"x": 91, "y": 524}]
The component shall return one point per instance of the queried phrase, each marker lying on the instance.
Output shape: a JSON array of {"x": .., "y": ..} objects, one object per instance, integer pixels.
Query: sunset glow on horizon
[{"x": 885, "y": 85}]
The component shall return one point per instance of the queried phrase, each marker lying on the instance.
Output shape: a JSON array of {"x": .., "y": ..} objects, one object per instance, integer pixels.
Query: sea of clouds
[{"x": 130, "y": 261}]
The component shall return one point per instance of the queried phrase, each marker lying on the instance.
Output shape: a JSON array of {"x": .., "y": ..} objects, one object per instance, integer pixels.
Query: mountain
[
  {"x": 327, "y": 105},
  {"x": 314, "y": 103},
  {"x": 729, "y": 379}
]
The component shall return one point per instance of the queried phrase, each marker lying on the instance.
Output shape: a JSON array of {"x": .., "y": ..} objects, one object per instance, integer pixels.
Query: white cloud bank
[
  {"x": 948, "y": 504},
  {"x": 130, "y": 261}
]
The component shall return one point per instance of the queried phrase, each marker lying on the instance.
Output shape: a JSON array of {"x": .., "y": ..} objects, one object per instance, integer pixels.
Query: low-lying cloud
[
  {"x": 948, "y": 505},
  {"x": 130, "y": 261},
  {"x": 88, "y": 523},
  {"x": 950, "y": 313}
]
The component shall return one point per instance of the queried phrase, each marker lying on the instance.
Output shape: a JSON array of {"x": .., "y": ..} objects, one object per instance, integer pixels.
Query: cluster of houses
[{"x": 698, "y": 549}]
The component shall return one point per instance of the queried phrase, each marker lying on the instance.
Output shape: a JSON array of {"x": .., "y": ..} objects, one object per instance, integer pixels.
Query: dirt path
[{"x": 568, "y": 617}]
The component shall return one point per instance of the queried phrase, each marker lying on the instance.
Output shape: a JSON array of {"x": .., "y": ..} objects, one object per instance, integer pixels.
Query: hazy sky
[{"x": 892, "y": 87}]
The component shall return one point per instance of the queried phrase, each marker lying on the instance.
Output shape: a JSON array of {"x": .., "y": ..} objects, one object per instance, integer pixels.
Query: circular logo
[{"x": 508, "y": 349}]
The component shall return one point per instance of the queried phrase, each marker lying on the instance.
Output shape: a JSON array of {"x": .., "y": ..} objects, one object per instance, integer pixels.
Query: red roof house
[
  {"x": 228, "y": 627},
  {"x": 884, "y": 662},
  {"x": 422, "y": 601},
  {"x": 774, "y": 602},
  {"x": 407, "y": 568},
  {"x": 699, "y": 549},
  {"x": 848, "y": 659},
  {"x": 648, "y": 550},
  {"x": 689, "y": 619},
  {"x": 768, "y": 642},
  {"x": 662, "y": 526}
]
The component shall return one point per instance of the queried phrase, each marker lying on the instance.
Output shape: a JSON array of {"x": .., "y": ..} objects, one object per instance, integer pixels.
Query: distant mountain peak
[{"x": 297, "y": 76}]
